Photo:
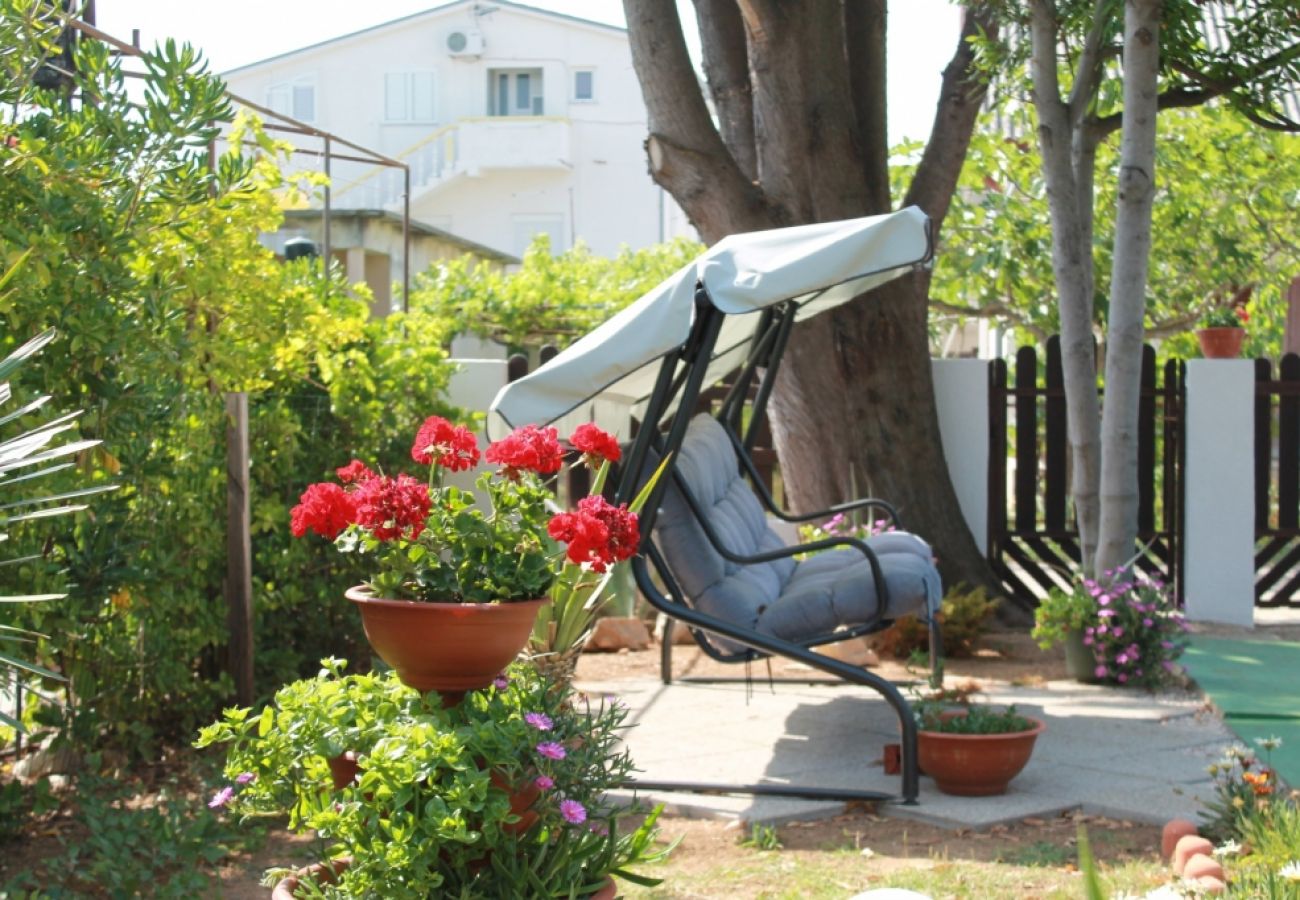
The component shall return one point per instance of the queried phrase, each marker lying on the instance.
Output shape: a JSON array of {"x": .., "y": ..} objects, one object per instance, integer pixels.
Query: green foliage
[
  {"x": 20, "y": 805},
  {"x": 762, "y": 837},
  {"x": 1061, "y": 612},
  {"x": 550, "y": 298},
  {"x": 1223, "y": 219},
  {"x": 430, "y": 808},
  {"x": 964, "y": 616},
  {"x": 1244, "y": 793},
  {"x": 973, "y": 719},
  {"x": 148, "y": 263}
]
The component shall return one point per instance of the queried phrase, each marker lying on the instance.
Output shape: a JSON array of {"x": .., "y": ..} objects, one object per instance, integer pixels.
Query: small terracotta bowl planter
[{"x": 975, "y": 765}]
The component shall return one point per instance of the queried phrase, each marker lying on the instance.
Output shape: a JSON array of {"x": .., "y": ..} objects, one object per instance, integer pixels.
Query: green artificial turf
[{"x": 1256, "y": 685}]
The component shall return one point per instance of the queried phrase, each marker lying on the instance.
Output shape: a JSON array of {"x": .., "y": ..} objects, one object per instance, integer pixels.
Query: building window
[
  {"x": 515, "y": 92},
  {"x": 408, "y": 97},
  {"x": 296, "y": 99},
  {"x": 584, "y": 85}
]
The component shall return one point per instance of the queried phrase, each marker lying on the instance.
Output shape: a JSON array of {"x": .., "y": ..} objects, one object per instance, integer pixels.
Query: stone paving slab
[{"x": 1125, "y": 754}]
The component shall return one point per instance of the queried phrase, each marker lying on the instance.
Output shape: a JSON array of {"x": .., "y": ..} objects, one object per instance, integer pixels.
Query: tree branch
[
  {"x": 960, "y": 97},
  {"x": 712, "y": 189},
  {"x": 1088, "y": 74},
  {"x": 726, "y": 69}
]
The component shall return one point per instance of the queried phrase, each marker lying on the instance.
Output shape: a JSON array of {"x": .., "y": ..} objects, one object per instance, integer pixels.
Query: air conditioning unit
[{"x": 464, "y": 43}]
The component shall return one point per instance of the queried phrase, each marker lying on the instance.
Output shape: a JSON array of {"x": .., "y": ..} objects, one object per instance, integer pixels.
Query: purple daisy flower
[
  {"x": 501, "y": 682},
  {"x": 551, "y": 750},
  {"x": 245, "y": 778},
  {"x": 540, "y": 721},
  {"x": 544, "y": 782},
  {"x": 221, "y": 797},
  {"x": 573, "y": 812}
]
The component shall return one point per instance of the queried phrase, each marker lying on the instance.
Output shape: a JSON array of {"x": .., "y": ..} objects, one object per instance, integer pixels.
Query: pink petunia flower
[
  {"x": 551, "y": 750},
  {"x": 573, "y": 812},
  {"x": 221, "y": 797}
]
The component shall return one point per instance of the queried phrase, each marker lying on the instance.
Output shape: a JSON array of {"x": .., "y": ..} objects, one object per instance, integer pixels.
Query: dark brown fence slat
[
  {"x": 1288, "y": 448},
  {"x": 1026, "y": 441},
  {"x": 997, "y": 514},
  {"x": 1054, "y": 471},
  {"x": 1146, "y": 461},
  {"x": 1263, "y": 444},
  {"x": 516, "y": 367}
]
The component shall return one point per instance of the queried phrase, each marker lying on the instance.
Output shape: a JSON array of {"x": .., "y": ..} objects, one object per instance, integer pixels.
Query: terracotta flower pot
[
  {"x": 450, "y": 648},
  {"x": 343, "y": 769},
  {"x": 287, "y": 887},
  {"x": 521, "y": 802},
  {"x": 1221, "y": 343},
  {"x": 607, "y": 892},
  {"x": 975, "y": 765}
]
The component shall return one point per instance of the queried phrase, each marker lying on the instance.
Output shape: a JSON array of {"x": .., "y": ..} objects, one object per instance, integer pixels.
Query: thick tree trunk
[
  {"x": 854, "y": 407},
  {"x": 1119, "y": 487}
]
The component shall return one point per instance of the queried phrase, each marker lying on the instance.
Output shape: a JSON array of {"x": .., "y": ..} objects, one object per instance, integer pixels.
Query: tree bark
[
  {"x": 1119, "y": 483},
  {"x": 853, "y": 412},
  {"x": 726, "y": 70},
  {"x": 1073, "y": 268}
]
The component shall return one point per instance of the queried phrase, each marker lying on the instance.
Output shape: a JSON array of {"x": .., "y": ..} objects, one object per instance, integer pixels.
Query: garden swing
[{"x": 717, "y": 566}]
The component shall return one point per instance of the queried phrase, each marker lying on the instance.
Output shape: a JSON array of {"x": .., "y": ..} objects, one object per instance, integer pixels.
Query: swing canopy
[{"x": 815, "y": 267}]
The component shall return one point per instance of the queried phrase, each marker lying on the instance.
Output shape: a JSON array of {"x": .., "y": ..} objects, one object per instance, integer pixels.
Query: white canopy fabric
[{"x": 613, "y": 369}]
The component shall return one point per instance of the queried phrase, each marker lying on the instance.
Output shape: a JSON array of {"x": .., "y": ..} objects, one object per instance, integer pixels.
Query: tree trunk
[
  {"x": 1119, "y": 487},
  {"x": 853, "y": 412},
  {"x": 1072, "y": 266}
]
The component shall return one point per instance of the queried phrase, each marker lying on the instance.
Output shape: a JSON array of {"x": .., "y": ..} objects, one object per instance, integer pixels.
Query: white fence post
[
  {"x": 1219, "y": 506},
  {"x": 961, "y": 391}
]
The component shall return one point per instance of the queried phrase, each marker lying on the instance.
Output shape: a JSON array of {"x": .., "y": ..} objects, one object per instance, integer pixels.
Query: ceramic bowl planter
[
  {"x": 450, "y": 648},
  {"x": 975, "y": 765},
  {"x": 1221, "y": 343}
]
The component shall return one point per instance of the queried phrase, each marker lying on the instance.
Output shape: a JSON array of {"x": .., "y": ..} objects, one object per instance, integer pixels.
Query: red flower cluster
[
  {"x": 596, "y": 444},
  {"x": 354, "y": 472},
  {"x": 388, "y": 507},
  {"x": 530, "y": 449},
  {"x": 597, "y": 533},
  {"x": 323, "y": 508},
  {"x": 439, "y": 442}
]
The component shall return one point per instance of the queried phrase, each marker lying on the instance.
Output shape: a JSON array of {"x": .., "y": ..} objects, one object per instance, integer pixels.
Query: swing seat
[{"x": 709, "y": 513}]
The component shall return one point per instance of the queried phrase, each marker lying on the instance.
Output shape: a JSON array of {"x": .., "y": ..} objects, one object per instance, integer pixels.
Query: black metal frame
[{"x": 680, "y": 381}]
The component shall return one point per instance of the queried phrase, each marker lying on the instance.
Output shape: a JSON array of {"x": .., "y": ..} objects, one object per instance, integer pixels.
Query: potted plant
[
  {"x": 1060, "y": 618},
  {"x": 972, "y": 750},
  {"x": 457, "y": 581},
  {"x": 1132, "y": 629},
  {"x": 502, "y": 795},
  {"x": 1222, "y": 328}
]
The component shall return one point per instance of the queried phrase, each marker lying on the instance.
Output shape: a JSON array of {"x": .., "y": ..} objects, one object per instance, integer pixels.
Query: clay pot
[
  {"x": 343, "y": 769},
  {"x": 450, "y": 648},
  {"x": 1201, "y": 866},
  {"x": 607, "y": 892},
  {"x": 1220, "y": 343},
  {"x": 975, "y": 765},
  {"x": 521, "y": 802},
  {"x": 1187, "y": 847},
  {"x": 1174, "y": 830},
  {"x": 286, "y": 887}
]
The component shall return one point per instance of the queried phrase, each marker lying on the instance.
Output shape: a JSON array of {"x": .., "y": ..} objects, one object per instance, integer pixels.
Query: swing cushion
[{"x": 786, "y": 598}]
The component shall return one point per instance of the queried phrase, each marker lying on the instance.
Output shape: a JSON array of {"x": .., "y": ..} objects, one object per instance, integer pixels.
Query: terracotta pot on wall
[
  {"x": 450, "y": 648},
  {"x": 1221, "y": 343}
]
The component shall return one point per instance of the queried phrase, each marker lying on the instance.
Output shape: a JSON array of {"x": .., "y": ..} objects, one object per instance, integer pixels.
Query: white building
[{"x": 514, "y": 121}]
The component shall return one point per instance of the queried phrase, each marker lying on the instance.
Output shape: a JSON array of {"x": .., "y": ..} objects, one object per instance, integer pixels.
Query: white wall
[
  {"x": 961, "y": 389},
  {"x": 607, "y": 198}
]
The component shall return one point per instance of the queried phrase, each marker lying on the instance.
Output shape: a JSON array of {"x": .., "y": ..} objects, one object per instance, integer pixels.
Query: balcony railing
[{"x": 465, "y": 147}]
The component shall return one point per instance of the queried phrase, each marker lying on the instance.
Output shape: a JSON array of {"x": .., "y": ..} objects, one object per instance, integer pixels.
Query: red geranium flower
[
  {"x": 529, "y": 449},
  {"x": 355, "y": 471},
  {"x": 597, "y": 533},
  {"x": 451, "y": 446},
  {"x": 323, "y": 508},
  {"x": 596, "y": 444},
  {"x": 391, "y": 506}
]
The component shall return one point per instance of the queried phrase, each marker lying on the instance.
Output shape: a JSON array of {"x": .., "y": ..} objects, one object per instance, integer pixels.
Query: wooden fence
[
  {"x": 1033, "y": 540},
  {"x": 1277, "y": 482}
]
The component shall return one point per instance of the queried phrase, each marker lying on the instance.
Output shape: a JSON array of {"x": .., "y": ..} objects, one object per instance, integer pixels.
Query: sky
[{"x": 922, "y": 35}]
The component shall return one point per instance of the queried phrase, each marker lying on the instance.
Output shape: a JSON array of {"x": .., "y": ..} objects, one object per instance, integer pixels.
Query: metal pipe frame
[{"x": 686, "y": 386}]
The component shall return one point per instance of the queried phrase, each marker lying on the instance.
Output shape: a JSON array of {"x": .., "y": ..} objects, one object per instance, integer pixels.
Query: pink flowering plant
[
  {"x": 1128, "y": 621},
  {"x": 430, "y": 541},
  {"x": 501, "y": 796}
]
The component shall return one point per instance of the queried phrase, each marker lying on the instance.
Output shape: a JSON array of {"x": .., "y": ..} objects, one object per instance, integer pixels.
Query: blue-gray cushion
[{"x": 795, "y": 601}]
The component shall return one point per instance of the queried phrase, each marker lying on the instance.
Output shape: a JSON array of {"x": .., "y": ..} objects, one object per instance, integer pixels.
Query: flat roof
[
  {"x": 447, "y": 7},
  {"x": 417, "y": 227}
]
